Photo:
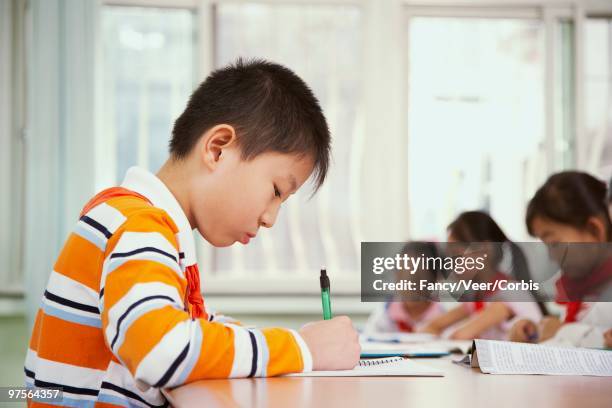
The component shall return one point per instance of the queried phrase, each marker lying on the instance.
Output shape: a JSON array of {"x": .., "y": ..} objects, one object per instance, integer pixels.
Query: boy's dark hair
[
  {"x": 269, "y": 106},
  {"x": 571, "y": 198}
]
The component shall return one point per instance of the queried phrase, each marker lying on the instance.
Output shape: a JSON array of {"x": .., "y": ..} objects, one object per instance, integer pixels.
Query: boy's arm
[{"x": 148, "y": 330}]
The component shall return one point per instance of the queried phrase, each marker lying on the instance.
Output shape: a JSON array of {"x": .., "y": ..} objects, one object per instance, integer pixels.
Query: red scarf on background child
[
  {"x": 192, "y": 274},
  {"x": 570, "y": 292}
]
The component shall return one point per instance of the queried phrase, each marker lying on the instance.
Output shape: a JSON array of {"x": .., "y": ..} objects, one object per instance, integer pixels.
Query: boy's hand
[
  {"x": 524, "y": 331},
  {"x": 334, "y": 344}
]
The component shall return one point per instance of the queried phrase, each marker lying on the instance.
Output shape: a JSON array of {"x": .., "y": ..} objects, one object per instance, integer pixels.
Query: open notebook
[{"x": 379, "y": 367}]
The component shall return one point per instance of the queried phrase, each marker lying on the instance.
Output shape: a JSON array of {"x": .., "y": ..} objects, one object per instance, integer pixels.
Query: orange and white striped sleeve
[{"x": 147, "y": 328}]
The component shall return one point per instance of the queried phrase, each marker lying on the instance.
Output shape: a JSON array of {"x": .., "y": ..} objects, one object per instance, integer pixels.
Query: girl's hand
[
  {"x": 549, "y": 325},
  {"x": 524, "y": 331}
]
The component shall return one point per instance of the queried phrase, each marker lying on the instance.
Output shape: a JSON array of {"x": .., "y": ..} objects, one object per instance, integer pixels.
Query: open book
[
  {"x": 379, "y": 367},
  {"x": 504, "y": 357}
]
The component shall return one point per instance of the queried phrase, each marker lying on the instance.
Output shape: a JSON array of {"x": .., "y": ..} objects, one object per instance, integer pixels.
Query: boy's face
[{"x": 239, "y": 196}]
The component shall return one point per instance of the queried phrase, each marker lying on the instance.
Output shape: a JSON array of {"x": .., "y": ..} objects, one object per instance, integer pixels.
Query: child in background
[
  {"x": 608, "y": 338},
  {"x": 492, "y": 318},
  {"x": 571, "y": 208},
  {"x": 610, "y": 199},
  {"x": 409, "y": 315},
  {"x": 123, "y": 316}
]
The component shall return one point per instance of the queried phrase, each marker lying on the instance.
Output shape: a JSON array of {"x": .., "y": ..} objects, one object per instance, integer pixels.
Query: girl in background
[
  {"x": 493, "y": 316},
  {"x": 571, "y": 208},
  {"x": 402, "y": 315},
  {"x": 610, "y": 199}
]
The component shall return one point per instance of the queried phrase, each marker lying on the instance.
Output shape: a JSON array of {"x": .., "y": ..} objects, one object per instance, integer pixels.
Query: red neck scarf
[
  {"x": 192, "y": 274},
  {"x": 570, "y": 292},
  {"x": 194, "y": 293}
]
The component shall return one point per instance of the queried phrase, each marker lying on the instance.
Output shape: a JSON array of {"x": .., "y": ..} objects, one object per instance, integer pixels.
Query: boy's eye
[{"x": 277, "y": 192}]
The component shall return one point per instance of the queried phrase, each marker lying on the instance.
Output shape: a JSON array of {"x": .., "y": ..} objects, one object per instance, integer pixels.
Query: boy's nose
[{"x": 268, "y": 218}]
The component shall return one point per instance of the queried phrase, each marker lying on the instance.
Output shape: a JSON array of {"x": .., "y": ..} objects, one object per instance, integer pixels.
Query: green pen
[{"x": 325, "y": 295}]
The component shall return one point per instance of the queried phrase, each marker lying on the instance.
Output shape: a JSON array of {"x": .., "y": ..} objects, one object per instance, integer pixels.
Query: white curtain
[
  {"x": 11, "y": 123},
  {"x": 61, "y": 62}
]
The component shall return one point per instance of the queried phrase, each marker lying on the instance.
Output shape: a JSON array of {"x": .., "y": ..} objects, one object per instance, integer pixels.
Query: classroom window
[
  {"x": 564, "y": 116},
  {"x": 321, "y": 43},
  {"x": 148, "y": 75},
  {"x": 597, "y": 140},
  {"x": 475, "y": 119}
]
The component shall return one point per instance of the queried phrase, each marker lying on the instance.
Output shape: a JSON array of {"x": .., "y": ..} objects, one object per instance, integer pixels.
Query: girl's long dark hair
[{"x": 478, "y": 226}]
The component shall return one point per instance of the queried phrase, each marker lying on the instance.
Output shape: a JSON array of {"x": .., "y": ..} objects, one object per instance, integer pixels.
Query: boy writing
[{"x": 122, "y": 315}]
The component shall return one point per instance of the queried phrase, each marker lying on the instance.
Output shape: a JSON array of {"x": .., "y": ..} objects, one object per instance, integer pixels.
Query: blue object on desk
[
  {"x": 425, "y": 354},
  {"x": 395, "y": 341}
]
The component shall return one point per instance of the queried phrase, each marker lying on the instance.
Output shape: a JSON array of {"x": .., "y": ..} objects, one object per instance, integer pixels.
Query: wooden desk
[{"x": 461, "y": 387}]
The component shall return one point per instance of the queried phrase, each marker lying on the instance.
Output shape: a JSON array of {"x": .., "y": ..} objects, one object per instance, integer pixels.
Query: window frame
[
  {"x": 283, "y": 282},
  {"x": 384, "y": 22},
  {"x": 588, "y": 162},
  {"x": 514, "y": 10}
]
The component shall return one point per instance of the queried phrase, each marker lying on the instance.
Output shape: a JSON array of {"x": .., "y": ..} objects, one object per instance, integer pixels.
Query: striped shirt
[{"x": 114, "y": 328}]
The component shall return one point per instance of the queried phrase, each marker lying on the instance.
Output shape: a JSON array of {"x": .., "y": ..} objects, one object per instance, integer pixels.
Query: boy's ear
[
  {"x": 596, "y": 227},
  {"x": 214, "y": 141}
]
